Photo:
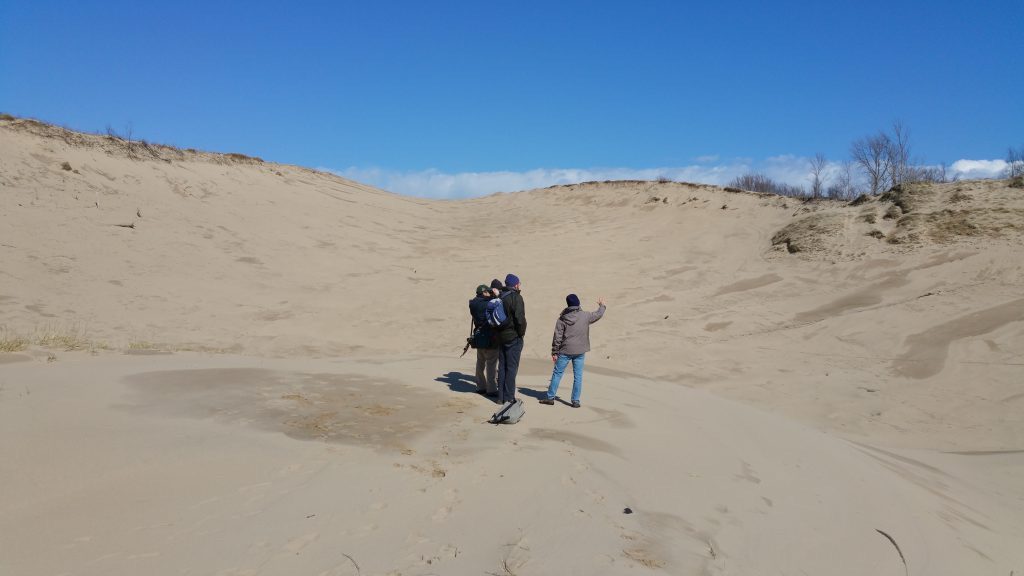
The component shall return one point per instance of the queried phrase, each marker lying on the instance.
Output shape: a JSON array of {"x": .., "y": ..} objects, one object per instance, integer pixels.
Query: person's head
[
  {"x": 572, "y": 300},
  {"x": 483, "y": 290},
  {"x": 512, "y": 282},
  {"x": 496, "y": 285}
]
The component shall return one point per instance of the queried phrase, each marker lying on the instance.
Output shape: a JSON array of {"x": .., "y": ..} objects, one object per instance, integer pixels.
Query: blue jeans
[{"x": 577, "y": 375}]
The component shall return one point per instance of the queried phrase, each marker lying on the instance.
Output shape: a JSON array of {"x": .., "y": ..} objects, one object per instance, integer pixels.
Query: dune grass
[
  {"x": 12, "y": 342},
  {"x": 50, "y": 336},
  {"x": 143, "y": 345},
  {"x": 64, "y": 337}
]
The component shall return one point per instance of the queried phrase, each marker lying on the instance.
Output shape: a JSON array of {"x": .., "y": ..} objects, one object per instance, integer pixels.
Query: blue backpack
[{"x": 496, "y": 315}]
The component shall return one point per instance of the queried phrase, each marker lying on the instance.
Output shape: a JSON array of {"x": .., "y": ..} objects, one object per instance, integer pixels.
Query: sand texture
[{"x": 215, "y": 364}]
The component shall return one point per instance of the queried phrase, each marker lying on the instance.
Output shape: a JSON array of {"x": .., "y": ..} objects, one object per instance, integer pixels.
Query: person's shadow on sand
[
  {"x": 458, "y": 382},
  {"x": 539, "y": 394},
  {"x": 533, "y": 393}
]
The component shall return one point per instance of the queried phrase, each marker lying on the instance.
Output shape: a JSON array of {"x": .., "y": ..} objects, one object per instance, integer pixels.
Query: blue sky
[{"x": 464, "y": 98}]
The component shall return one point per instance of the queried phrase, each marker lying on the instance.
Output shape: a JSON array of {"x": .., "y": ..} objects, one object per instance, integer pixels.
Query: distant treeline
[{"x": 877, "y": 163}]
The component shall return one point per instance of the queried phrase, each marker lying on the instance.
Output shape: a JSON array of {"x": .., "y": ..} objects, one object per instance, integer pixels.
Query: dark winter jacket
[
  {"x": 572, "y": 330},
  {"x": 515, "y": 308},
  {"x": 478, "y": 310}
]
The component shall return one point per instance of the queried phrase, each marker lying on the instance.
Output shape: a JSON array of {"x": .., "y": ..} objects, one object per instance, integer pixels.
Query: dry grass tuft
[
  {"x": 862, "y": 199},
  {"x": 242, "y": 158},
  {"x": 64, "y": 337},
  {"x": 143, "y": 345},
  {"x": 808, "y": 234},
  {"x": 12, "y": 342}
]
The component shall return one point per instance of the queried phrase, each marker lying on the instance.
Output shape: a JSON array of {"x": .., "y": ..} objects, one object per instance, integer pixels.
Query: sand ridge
[{"x": 225, "y": 365}]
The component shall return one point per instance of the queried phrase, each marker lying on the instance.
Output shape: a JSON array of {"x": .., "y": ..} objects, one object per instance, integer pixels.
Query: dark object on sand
[{"x": 627, "y": 510}]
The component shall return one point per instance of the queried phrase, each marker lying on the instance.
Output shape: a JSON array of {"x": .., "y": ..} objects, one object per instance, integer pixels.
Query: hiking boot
[
  {"x": 575, "y": 403},
  {"x": 548, "y": 401}
]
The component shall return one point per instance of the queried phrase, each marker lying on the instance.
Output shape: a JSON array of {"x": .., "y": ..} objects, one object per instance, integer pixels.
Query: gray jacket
[{"x": 572, "y": 330}]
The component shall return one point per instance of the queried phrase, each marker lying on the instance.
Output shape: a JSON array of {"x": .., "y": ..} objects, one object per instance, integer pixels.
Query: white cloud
[
  {"x": 788, "y": 169},
  {"x": 969, "y": 169},
  {"x": 437, "y": 184}
]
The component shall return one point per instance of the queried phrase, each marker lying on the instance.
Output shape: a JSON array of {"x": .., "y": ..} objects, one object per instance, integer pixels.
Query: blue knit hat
[
  {"x": 572, "y": 300},
  {"x": 511, "y": 280}
]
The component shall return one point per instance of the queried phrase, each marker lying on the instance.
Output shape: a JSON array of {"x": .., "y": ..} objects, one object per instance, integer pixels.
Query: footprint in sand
[
  {"x": 748, "y": 474},
  {"x": 597, "y": 497},
  {"x": 297, "y": 544},
  {"x": 641, "y": 555},
  {"x": 517, "y": 555},
  {"x": 451, "y": 500},
  {"x": 442, "y": 554}
]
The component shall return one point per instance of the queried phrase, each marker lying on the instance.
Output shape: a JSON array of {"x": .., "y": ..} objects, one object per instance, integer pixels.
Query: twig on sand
[
  {"x": 505, "y": 568},
  {"x": 132, "y": 225},
  {"x": 906, "y": 569},
  {"x": 711, "y": 548},
  {"x": 354, "y": 563}
]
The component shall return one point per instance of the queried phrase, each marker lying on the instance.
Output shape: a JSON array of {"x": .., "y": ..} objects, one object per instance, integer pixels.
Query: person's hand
[
  {"x": 554, "y": 357},
  {"x": 600, "y": 301}
]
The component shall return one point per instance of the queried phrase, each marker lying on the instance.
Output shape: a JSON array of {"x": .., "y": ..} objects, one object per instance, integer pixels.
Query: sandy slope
[{"x": 876, "y": 361}]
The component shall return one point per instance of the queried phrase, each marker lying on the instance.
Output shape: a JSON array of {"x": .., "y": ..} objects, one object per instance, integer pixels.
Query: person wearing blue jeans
[
  {"x": 561, "y": 362},
  {"x": 570, "y": 343}
]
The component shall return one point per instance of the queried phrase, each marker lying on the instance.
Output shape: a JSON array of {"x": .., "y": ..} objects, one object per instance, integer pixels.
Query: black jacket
[
  {"x": 478, "y": 310},
  {"x": 515, "y": 307}
]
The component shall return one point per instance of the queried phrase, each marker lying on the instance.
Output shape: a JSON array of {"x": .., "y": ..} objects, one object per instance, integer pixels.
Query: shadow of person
[
  {"x": 538, "y": 394},
  {"x": 458, "y": 382},
  {"x": 541, "y": 394}
]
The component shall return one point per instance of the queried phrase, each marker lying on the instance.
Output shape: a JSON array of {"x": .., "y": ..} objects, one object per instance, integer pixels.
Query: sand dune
[{"x": 265, "y": 376}]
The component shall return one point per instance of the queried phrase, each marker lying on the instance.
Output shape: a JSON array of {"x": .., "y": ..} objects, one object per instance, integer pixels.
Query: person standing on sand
[
  {"x": 486, "y": 342},
  {"x": 570, "y": 343},
  {"x": 511, "y": 338}
]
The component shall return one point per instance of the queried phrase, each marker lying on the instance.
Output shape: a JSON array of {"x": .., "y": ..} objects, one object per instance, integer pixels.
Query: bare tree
[
  {"x": 899, "y": 154},
  {"x": 872, "y": 154},
  {"x": 922, "y": 173},
  {"x": 1015, "y": 162},
  {"x": 818, "y": 165},
  {"x": 754, "y": 182},
  {"x": 129, "y": 146},
  {"x": 844, "y": 188},
  {"x": 129, "y": 131}
]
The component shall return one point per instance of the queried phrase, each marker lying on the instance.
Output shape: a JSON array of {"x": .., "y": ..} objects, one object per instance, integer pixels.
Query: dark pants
[{"x": 508, "y": 366}]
